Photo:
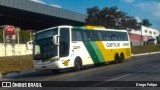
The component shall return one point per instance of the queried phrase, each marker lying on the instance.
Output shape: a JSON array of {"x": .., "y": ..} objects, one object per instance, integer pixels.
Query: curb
[
  {"x": 12, "y": 74},
  {"x": 145, "y": 54}
]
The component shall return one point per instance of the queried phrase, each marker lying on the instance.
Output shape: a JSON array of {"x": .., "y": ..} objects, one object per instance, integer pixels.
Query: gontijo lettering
[{"x": 113, "y": 44}]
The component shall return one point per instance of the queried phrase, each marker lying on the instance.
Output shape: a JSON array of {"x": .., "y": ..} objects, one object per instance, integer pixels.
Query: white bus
[{"x": 73, "y": 47}]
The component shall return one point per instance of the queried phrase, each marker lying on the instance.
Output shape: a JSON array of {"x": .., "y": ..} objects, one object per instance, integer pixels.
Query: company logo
[
  {"x": 10, "y": 30},
  {"x": 6, "y": 84}
]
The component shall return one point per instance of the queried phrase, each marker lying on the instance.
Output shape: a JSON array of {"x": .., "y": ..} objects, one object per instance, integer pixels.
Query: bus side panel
[
  {"x": 118, "y": 47},
  {"x": 79, "y": 50},
  {"x": 97, "y": 51},
  {"x": 91, "y": 52},
  {"x": 105, "y": 53}
]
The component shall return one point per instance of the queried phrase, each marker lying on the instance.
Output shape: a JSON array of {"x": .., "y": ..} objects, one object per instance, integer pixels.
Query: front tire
[{"x": 77, "y": 64}]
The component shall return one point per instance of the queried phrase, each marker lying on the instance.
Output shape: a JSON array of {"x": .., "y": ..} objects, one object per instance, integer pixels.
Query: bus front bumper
[{"x": 47, "y": 66}]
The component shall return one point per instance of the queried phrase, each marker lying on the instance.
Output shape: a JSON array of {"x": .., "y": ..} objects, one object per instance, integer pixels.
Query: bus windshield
[{"x": 43, "y": 46}]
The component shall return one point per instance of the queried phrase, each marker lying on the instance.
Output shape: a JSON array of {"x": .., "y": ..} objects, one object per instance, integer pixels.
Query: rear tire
[
  {"x": 121, "y": 58},
  {"x": 77, "y": 64},
  {"x": 117, "y": 59}
]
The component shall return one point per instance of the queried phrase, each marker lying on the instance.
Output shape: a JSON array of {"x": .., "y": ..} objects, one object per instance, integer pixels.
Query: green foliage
[
  {"x": 110, "y": 18},
  {"x": 146, "y": 22},
  {"x": 24, "y": 36}
]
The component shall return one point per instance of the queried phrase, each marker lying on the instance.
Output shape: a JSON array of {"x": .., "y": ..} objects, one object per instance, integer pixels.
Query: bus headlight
[{"x": 53, "y": 60}]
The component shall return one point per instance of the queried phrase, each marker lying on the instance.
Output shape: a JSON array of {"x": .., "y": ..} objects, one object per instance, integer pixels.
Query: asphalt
[{"x": 138, "y": 68}]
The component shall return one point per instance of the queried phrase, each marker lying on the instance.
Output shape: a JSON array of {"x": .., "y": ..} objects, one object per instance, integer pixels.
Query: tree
[
  {"x": 146, "y": 22},
  {"x": 110, "y": 18},
  {"x": 93, "y": 16}
]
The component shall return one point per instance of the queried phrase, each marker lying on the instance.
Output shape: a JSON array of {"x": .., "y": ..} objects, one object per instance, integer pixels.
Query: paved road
[{"x": 141, "y": 68}]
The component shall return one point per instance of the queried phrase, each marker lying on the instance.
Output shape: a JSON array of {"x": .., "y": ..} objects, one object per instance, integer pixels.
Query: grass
[
  {"x": 22, "y": 63},
  {"x": 145, "y": 49},
  {"x": 15, "y": 63}
]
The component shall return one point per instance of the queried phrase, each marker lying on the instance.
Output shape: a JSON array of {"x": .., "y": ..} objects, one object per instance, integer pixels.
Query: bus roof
[
  {"x": 85, "y": 28},
  {"x": 98, "y": 28}
]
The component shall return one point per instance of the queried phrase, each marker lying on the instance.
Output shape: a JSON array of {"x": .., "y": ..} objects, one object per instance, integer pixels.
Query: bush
[{"x": 24, "y": 36}]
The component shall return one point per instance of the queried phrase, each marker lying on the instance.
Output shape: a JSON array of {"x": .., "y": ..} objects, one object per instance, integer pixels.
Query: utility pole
[{"x": 141, "y": 37}]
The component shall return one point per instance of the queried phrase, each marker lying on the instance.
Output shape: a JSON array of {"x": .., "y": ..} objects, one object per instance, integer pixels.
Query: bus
[{"x": 63, "y": 47}]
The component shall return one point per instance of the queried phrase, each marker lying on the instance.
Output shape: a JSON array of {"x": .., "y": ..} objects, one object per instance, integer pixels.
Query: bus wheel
[
  {"x": 121, "y": 58},
  {"x": 56, "y": 71},
  {"x": 117, "y": 59},
  {"x": 77, "y": 64}
]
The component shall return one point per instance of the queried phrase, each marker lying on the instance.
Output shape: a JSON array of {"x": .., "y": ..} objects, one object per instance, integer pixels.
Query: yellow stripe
[{"x": 94, "y": 27}]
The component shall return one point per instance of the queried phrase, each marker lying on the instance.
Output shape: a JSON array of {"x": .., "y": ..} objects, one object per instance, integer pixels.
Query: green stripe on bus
[
  {"x": 97, "y": 51},
  {"x": 77, "y": 27},
  {"x": 91, "y": 52}
]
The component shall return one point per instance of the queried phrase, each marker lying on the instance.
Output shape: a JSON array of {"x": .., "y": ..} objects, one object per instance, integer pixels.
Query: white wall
[
  {"x": 17, "y": 50},
  {"x": 138, "y": 32},
  {"x": 146, "y": 31}
]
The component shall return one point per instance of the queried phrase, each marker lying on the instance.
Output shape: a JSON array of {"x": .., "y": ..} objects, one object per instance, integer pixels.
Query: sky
[{"x": 140, "y": 9}]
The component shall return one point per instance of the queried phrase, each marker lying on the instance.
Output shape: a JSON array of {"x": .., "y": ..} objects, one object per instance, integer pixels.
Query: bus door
[{"x": 64, "y": 42}]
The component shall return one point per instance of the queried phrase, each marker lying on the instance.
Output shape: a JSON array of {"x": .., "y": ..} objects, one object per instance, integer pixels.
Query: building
[
  {"x": 141, "y": 36},
  {"x": 27, "y": 14}
]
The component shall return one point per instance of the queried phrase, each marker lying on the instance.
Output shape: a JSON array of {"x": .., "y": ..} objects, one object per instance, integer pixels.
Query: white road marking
[{"x": 113, "y": 79}]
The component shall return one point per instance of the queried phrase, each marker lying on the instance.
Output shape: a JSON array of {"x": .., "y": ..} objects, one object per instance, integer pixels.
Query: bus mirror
[{"x": 55, "y": 40}]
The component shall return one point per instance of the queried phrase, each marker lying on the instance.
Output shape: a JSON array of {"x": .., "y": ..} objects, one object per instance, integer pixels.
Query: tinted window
[
  {"x": 114, "y": 36},
  {"x": 97, "y": 35},
  {"x": 85, "y": 38},
  {"x": 106, "y": 36},
  {"x": 74, "y": 36},
  {"x": 79, "y": 36},
  {"x": 122, "y": 36}
]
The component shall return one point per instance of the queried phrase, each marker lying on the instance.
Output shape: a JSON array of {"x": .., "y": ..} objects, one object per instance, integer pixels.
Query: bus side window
[
  {"x": 90, "y": 36},
  {"x": 114, "y": 36},
  {"x": 74, "y": 36},
  {"x": 125, "y": 36},
  {"x": 107, "y": 36},
  {"x": 79, "y": 36},
  {"x": 85, "y": 38},
  {"x": 97, "y": 35},
  {"x": 119, "y": 37}
]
